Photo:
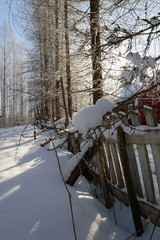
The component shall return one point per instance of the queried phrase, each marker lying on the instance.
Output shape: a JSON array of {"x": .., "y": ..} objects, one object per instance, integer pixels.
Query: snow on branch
[
  {"x": 137, "y": 60},
  {"x": 91, "y": 117}
]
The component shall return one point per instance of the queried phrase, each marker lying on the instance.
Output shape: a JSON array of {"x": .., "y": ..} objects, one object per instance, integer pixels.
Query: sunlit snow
[
  {"x": 91, "y": 116},
  {"x": 34, "y": 203}
]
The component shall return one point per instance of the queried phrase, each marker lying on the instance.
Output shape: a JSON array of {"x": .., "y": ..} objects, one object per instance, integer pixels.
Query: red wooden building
[{"x": 149, "y": 97}]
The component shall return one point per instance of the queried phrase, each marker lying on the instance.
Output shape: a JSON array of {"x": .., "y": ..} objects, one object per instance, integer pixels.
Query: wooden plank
[
  {"x": 77, "y": 171},
  {"x": 153, "y": 135},
  {"x": 146, "y": 209},
  {"x": 119, "y": 194},
  {"x": 150, "y": 116},
  {"x": 135, "y": 118},
  {"x": 71, "y": 144},
  {"x": 114, "y": 190},
  {"x": 134, "y": 172},
  {"x": 96, "y": 156},
  {"x": 156, "y": 157},
  {"x": 129, "y": 183},
  {"x": 105, "y": 161},
  {"x": 123, "y": 117},
  {"x": 94, "y": 163},
  {"x": 94, "y": 174},
  {"x": 104, "y": 184},
  {"x": 151, "y": 212},
  {"x": 111, "y": 166},
  {"x": 146, "y": 173},
  {"x": 117, "y": 165},
  {"x": 106, "y": 122}
]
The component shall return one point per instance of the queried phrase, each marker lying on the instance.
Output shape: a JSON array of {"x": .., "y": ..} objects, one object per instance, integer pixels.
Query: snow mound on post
[
  {"x": 105, "y": 105},
  {"x": 87, "y": 118},
  {"x": 91, "y": 117}
]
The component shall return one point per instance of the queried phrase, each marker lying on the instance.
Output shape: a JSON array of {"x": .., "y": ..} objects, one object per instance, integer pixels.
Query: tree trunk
[
  {"x": 52, "y": 65},
  {"x": 68, "y": 70},
  {"x": 4, "y": 92},
  {"x": 64, "y": 104},
  {"x": 14, "y": 83},
  {"x": 46, "y": 83},
  {"x": 40, "y": 42},
  {"x": 21, "y": 89},
  {"x": 57, "y": 60},
  {"x": 96, "y": 50},
  {"x": 3, "y": 103}
]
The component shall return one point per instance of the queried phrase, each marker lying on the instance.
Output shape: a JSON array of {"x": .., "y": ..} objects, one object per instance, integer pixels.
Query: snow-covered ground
[{"x": 34, "y": 203}]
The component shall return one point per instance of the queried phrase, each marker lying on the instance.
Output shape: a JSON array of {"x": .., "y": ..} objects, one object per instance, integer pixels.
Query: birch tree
[
  {"x": 4, "y": 61},
  {"x": 12, "y": 84},
  {"x": 85, "y": 42}
]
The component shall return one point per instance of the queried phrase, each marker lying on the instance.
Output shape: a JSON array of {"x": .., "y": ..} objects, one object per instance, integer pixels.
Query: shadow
[
  {"x": 100, "y": 222},
  {"x": 26, "y": 159},
  {"x": 34, "y": 203},
  {"x": 15, "y": 145},
  {"x": 29, "y": 209}
]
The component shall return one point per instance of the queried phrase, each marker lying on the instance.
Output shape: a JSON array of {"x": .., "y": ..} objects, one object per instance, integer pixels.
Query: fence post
[
  {"x": 129, "y": 183},
  {"x": 135, "y": 118},
  {"x": 104, "y": 183},
  {"x": 150, "y": 116}
]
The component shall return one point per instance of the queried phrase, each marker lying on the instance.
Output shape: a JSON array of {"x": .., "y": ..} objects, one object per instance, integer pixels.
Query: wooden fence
[{"x": 128, "y": 167}]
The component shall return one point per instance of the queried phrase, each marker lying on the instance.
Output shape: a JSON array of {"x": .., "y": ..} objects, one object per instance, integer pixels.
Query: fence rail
[{"x": 131, "y": 159}]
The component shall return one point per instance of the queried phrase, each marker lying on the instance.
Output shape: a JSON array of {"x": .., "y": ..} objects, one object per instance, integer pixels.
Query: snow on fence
[{"x": 127, "y": 167}]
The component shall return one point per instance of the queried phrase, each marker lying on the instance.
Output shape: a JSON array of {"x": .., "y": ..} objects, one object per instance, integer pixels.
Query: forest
[
  {"x": 79, "y": 120},
  {"x": 73, "y": 53}
]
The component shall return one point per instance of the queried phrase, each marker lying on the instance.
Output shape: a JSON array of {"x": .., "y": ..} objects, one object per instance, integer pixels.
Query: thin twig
[
  {"x": 155, "y": 224},
  {"x": 19, "y": 142},
  {"x": 69, "y": 195},
  {"x": 138, "y": 230}
]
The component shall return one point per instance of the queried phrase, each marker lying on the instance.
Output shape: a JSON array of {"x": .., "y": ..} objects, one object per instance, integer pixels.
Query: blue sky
[
  {"x": 4, "y": 16},
  {"x": 3, "y": 11}
]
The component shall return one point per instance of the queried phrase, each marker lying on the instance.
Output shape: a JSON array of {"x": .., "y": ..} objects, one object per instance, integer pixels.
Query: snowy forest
[
  {"x": 75, "y": 52},
  {"x": 80, "y": 120}
]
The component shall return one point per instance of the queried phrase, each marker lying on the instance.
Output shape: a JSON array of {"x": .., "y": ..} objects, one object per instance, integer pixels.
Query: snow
[
  {"x": 111, "y": 38},
  {"x": 154, "y": 20},
  {"x": 148, "y": 61},
  {"x": 147, "y": 107},
  {"x": 72, "y": 163},
  {"x": 87, "y": 118},
  {"x": 34, "y": 203},
  {"x": 91, "y": 117},
  {"x": 137, "y": 60},
  {"x": 133, "y": 77},
  {"x": 105, "y": 105},
  {"x": 138, "y": 130},
  {"x": 128, "y": 91},
  {"x": 127, "y": 76}
]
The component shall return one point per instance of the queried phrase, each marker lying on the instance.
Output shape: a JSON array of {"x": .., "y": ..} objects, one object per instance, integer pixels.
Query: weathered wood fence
[{"x": 128, "y": 167}]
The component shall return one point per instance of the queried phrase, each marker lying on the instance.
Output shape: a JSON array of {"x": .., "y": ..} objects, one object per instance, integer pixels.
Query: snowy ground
[{"x": 34, "y": 203}]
